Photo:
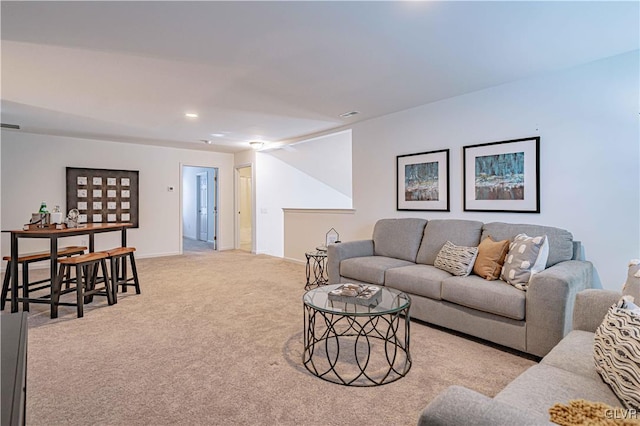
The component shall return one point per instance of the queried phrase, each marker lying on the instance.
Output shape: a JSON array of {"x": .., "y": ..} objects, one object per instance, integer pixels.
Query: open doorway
[
  {"x": 199, "y": 208},
  {"x": 244, "y": 197}
]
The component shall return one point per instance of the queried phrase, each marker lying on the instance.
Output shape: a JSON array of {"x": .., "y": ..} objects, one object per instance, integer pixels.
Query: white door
[
  {"x": 202, "y": 207},
  {"x": 245, "y": 209}
]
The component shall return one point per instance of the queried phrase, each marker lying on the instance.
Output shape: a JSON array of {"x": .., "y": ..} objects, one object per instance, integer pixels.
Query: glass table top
[{"x": 390, "y": 301}]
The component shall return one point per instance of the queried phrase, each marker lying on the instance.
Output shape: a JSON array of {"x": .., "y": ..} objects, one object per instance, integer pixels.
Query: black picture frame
[
  {"x": 422, "y": 181},
  {"x": 502, "y": 176},
  {"x": 118, "y": 196}
]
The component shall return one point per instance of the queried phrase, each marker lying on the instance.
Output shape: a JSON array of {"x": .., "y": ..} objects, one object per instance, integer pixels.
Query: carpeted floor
[{"x": 215, "y": 338}]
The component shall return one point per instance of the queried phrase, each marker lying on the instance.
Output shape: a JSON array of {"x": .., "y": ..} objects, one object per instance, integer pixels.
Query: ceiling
[{"x": 276, "y": 71}]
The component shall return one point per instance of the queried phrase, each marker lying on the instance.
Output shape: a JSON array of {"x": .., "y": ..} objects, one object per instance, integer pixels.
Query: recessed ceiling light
[
  {"x": 208, "y": 142},
  {"x": 217, "y": 135},
  {"x": 349, "y": 114},
  {"x": 191, "y": 115},
  {"x": 256, "y": 144}
]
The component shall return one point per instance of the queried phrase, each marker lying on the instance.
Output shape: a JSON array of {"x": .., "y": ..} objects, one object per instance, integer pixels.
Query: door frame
[
  {"x": 216, "y": 202},
  {"x": 237, "y": 205}
]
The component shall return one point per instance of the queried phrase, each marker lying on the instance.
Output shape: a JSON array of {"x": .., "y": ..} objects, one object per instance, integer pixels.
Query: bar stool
[
  {"x": 27, "y": 259},
  {"x": 86, "y": 267},
  {"x": 117, "y": 259}
]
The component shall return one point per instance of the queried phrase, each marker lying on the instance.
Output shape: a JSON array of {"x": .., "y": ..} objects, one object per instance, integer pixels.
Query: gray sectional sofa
[
  {"x": 567, "y": 372},
  {"x": 401, "y": 255}
]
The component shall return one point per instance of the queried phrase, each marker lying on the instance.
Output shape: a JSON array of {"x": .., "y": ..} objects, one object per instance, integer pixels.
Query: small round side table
[{"x": 316, "y": 272}]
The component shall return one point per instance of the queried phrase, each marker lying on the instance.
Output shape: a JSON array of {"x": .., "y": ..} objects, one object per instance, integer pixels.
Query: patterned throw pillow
[
  {"x": 527, "y": 256},
  {"x": 616, "y": 351},
  {"x": 490, "y": 258},
  {"x": 457, "y": 260}
]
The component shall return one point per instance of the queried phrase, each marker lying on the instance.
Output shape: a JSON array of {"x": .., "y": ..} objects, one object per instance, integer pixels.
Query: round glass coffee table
[{"x": 354, "y": 344}]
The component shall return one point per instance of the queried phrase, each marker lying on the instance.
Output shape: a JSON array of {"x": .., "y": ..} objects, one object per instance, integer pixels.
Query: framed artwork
[
  {"x": 103, "y": 195},
  {"x": 422, "y": 181},
  {"x": 502, "y": 176}
]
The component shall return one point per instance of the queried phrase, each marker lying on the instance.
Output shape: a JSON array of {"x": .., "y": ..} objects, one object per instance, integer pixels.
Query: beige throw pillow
[
  {"x": 527, "y": 256},
  {"x": 490, "y": 258},
  {"x": 616, "y": 351},
  {"x": 457, "y": 260}
]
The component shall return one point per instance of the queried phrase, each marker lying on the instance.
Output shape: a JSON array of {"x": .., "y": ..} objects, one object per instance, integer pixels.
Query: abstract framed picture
[
  {"x": 502, "y": 176},
  {"x": 422, "y": 181}
]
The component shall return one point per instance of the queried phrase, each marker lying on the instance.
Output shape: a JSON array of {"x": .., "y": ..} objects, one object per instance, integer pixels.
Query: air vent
[
  {"x": 9, "y": 126},
  {"x": 349, "y": 114}
]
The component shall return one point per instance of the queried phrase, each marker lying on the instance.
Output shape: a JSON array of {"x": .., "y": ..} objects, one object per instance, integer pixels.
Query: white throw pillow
[
  {"x": 616, "y": 351},
  {"x": 457, "y": 260},
  {"x": 527, "y": 256}
]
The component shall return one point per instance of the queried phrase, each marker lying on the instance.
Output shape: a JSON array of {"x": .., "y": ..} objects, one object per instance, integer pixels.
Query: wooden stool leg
[
  {"x": 107, "y": 286},
  {"x": 55, "y": 290},
  {"x": 5, "y": 285},
  {"x": 67, "y": 279},
  {"x": 114, "y": 278},
  {"x": 80, "y": 283},
  {"x": 134, "y": 272},
  {"x": 122, "y": 272},
  {"x": 25, "y": 286}
]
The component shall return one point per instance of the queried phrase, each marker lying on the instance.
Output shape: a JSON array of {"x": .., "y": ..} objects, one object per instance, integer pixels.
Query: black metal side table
[
  {"x": 355, "y": 345},
  {"x": 316, "y": 272}
]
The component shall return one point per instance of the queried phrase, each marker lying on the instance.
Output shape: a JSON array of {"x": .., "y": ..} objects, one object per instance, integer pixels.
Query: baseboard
[{"x": 292, "y": 260}]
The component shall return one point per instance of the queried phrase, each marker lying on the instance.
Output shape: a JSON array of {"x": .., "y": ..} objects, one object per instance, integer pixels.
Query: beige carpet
[{"x": 215, "y": 338}]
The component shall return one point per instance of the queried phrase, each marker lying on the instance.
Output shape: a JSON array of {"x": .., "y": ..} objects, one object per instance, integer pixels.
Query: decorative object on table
[
  {"x": 331, "y": 237},
  {"x": 103, "y": 195},
  {"x": 502, "y": 176},
  {"x": 422, "y": 181},
  {"x": 56, "y": 216},
  {"x": 72, "y": 218},
  {"x": 360, "y": 294}
]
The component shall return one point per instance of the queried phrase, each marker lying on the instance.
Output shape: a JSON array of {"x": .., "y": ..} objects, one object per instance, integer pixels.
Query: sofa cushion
[
  {"x": 490, "y": 258},
  {"x": 542, "y": 386},
  {"x": 496, "y": 297},
  {"x": 421, "y": 280},
  {"x": 527, "y": 256},
  {"x": 574, "y": 354},
  {"x": 458, "y": 260},
  {"x": 398, "y": 238},
  {"x": 617, "y": 351},
  {"x": 369, "y": 269},
  {"x": 439, "y": 231},
  {"x": 560, "y": 240}
]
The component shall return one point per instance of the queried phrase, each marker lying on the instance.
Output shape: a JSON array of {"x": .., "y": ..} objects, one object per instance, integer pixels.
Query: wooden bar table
[{"x": 53, "y": 234}]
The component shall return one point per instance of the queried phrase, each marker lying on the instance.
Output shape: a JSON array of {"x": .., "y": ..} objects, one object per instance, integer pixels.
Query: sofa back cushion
[
  {"x": 560, "y": 241},
  {"x": 398, "y": 238},
  {"x": 439, "y": 231}
]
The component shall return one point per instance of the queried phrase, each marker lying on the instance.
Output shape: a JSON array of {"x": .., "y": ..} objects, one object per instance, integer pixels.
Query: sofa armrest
[
  {"x": 591, "y": 307},
  {"x": 336, "y": 253},
  {"x": 549, "y": 304},
  {"x": 461, "y": 406}
]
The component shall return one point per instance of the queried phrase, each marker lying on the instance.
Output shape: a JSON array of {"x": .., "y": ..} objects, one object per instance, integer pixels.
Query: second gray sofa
[{"x": 401, "y": 255}]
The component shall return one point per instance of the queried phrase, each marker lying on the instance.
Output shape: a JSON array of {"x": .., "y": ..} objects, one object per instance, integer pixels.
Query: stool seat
[
  {"x": 83, "y": 258},
  {"x": 46, "y": 255},
  {"x": 120, "y": 251}
]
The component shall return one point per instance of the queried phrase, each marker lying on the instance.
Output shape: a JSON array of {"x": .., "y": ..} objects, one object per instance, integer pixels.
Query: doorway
[
  {"x": 244, "y": 224},
  {"x": 199, "y": 208}
]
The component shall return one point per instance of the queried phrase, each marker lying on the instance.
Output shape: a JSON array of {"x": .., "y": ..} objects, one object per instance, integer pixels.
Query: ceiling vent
[
  {"x": 349, "y": 114},
  {"x": 9, "y": 126}
]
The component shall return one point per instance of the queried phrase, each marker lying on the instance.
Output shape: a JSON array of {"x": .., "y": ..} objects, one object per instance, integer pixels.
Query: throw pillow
[
  {"x": 527, "y": 256},
  {"x": 616, "y": 351},
  {"x": 580, "y": 413},
  {"x": 632, "y": 285},
  {"x": 490, "y": 258},
  {"x": 457, "y": 260}
]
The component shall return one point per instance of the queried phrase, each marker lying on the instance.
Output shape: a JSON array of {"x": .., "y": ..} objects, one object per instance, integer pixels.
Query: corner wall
[{"x": 33, "y": 169}]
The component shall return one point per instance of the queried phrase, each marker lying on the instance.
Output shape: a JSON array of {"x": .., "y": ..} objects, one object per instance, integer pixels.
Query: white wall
[
  {"x": 288, "y": 179},
  {"x": 33, "y": 169},
  {"x": 587, "y": 118}
]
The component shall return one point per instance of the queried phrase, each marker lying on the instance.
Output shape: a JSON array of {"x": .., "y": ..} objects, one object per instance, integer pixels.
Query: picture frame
[
  {"x": 422, "y": 181},
  {"x": 502, "y": 176},
  {"x": 103, "y": 195}
]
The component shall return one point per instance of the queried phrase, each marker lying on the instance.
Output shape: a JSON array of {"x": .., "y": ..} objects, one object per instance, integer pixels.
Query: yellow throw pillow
[{"x": 490, "y": 258}]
